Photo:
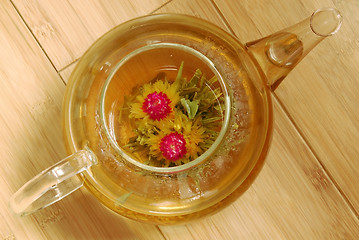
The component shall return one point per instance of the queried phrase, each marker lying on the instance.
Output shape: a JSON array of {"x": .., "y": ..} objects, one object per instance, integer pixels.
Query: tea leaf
[
  {"x": 194, "y": 80},
  {"x": 191, "y": 107},
  {"x": 212, "y": 119},
  {"x": 203, "y": 79},
  {"x": 188, "y": 91},
  {"x": 179, "y": 75},
  {"x": 212, "y": 80}
]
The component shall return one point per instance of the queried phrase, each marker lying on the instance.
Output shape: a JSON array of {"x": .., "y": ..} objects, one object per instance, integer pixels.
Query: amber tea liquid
[{"x": 189, "y": 131}]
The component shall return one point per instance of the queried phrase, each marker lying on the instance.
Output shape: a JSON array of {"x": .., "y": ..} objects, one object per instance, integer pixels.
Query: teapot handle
[{"x": 52, "y": 184}]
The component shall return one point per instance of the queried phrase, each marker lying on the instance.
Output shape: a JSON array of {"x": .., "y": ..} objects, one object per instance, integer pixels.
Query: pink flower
[
  {"x": 157, "y": 105},
  {"x": 173, "y": 146}
]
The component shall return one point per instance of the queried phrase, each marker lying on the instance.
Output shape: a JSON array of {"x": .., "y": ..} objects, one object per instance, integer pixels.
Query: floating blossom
[
  {"x": 173, "y": 146},
  {"x": 157, "y": 106},
  {"x": 174, "y": 122},
  {"x": 155, "y": 101},
  {"x": 178, "y": 140}
]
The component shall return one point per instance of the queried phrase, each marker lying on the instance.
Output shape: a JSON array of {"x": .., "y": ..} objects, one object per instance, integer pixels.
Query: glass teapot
[{"x": 203, "y": 168}]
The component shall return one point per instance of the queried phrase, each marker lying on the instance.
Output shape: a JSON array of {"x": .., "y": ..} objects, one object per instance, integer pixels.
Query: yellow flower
[
  {"x": 192, "y": 132},
  {"x": 177, "y": 142},
  {"x": 155, "y": 101}
]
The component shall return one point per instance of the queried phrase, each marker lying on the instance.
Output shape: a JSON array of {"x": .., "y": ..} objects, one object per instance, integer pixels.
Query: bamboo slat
[{"x": 65, "y": 29}]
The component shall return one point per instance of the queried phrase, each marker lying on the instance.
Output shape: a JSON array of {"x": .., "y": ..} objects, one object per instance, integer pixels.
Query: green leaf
[
  {"x": 202, "y": 81},
  {"x": 179, "y": 75},
  {"x": 212, "y": 80},
  {"x": 210, "y": 120},
  {"x": 191, "y": 107},
  {"x": 189, "y": 90},
  {"x": 196, "y": 77}
]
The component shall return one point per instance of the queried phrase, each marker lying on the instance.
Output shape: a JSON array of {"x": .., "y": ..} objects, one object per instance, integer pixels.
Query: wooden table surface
[{"x": 309, "y": 186}]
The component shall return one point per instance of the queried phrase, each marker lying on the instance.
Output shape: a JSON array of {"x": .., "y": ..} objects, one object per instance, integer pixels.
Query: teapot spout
[{"x": 279, "y": 53}]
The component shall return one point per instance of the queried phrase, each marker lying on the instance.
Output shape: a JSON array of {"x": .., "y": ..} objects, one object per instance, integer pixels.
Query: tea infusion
[{"x": 173, "y": 121}]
